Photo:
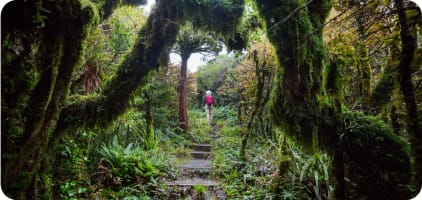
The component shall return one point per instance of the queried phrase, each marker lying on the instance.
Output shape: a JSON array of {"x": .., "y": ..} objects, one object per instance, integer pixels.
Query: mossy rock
[{"x": 376, "y": 159}]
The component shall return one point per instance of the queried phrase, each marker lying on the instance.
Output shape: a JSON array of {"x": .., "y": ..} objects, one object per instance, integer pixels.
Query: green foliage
[
  {"x": 161, "y": 88},
  {"x": 44, "y": 184},
  {"x": 190, "y": 40},
  {"x": 242, "y": 180},
  {"x": 224, "y": 113},
  {"x": 125, "y": 165},
  {"x": 200, "y": 189},
  {"x": 308, "y": 174},
  {"x": 70, "y": 190},
  {"x": 200, "y": 129},
  {"x": 212, "y": 76},
  {"x": 147, "y": 138},
  {"x": 72, "y": 161}
]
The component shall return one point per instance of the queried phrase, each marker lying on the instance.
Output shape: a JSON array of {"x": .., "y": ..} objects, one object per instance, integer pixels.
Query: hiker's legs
[
  {"x": 208, "y": 112},
  {"x": 211, "y": 115}
]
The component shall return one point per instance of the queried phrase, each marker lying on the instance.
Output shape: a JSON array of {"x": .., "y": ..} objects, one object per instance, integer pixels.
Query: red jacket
[{"x": 208, "y": 100}]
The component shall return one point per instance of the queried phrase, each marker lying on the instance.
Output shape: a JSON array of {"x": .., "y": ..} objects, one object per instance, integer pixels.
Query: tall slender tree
[
  {"x": 414, "y": 122},
  {"x": 191, "y": 41}
]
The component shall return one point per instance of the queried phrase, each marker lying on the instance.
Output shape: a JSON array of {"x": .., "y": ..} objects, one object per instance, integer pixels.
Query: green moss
[
  {"x": 378, "y": 159},
  {"x": 382, "y": 93},
  {"x": 239, "y": 39}
]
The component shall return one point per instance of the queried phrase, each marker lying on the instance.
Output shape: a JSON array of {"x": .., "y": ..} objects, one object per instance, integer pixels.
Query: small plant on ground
[{"x": 200, "y": 191}]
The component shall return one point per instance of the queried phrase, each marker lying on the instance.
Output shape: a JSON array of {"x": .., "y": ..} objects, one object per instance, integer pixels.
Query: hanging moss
[
  {"x": 220, "y": 16},
  {"x": 239, "y": 39},
  {"x": 223, "y": 17},
  {"x": 378, "y": 159}
]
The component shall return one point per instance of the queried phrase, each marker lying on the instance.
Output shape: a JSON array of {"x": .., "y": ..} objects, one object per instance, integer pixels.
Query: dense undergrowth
[
  {"x": 306, "y": 176},
  {"x": 116, "y": 164}
]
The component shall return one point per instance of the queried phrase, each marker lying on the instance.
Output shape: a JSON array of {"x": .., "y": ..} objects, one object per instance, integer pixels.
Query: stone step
[
  {"x": 196, "y": 164},
  {"x": 195, "y": 168},
  {"x": 201, "y": 147},
  {"x": 214, "y": 137},
  {"x": 192, "y": 182},
  {"x": 200, "y": 154}
]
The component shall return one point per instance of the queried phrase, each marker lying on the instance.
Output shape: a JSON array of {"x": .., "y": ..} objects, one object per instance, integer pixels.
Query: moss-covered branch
[{"x": 158, "y": 34}]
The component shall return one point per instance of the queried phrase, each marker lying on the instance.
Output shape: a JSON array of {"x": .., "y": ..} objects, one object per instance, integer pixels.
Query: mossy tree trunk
[
  {"x": 61, "y": 49},
  {"x": 365, "y": 76},
  {"x": 406, "y": 85},
  {"x": 293, "y": 27}
]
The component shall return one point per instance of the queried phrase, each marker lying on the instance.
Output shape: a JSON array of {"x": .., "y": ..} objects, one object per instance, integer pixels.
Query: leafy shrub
[
  {"x": 224, "y": 113},
  {"x": 125, "y": 165},
  {"x": 308, "y": 174}
]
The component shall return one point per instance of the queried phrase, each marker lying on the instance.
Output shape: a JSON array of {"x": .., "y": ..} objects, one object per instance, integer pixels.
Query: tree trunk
[
  {"x": 19, "y": 172},
  {"x": 363, "y": 65},
  {"x": 407, "y": 88},
  {"x": 183, "y": 111}
]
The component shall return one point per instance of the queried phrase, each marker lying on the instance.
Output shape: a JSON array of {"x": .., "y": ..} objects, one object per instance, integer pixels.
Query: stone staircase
[{"x": 194, "y": 181}]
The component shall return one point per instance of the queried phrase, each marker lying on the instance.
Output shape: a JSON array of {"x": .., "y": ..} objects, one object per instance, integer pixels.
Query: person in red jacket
[{"x": 208, "y": 106}]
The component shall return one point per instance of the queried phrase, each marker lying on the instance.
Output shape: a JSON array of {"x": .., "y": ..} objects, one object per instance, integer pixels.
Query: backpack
[{"x": 208, "y": 100}]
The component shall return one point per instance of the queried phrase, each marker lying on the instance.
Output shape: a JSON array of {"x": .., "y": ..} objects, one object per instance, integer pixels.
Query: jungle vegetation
[{"x": 316, "y": 99}]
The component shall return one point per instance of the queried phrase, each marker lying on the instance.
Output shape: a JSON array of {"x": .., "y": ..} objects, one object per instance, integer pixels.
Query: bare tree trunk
[
  {"x": 183, "y": 111},
  {"x": 407, "y": 88}
]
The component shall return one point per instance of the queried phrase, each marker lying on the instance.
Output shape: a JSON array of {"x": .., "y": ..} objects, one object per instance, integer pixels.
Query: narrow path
[{"x": 194, "y": 181}]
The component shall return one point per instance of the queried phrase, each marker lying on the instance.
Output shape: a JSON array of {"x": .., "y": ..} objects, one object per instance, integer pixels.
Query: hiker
[{"x": 208, "y": 106}]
